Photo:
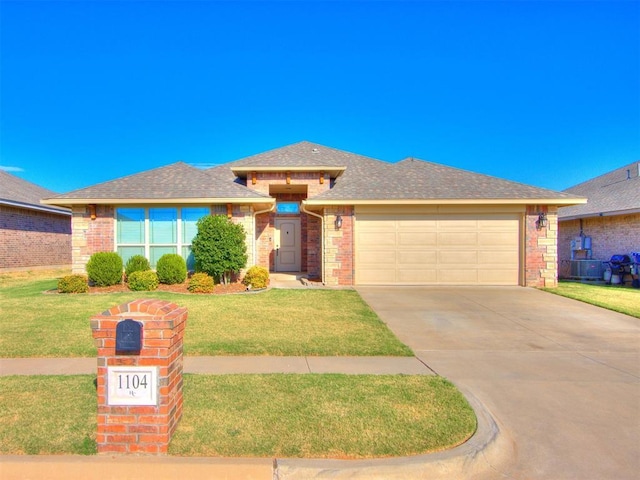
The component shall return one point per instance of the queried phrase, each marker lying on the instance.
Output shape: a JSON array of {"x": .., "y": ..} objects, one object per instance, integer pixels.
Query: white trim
[{"x": 31, "y": 206}]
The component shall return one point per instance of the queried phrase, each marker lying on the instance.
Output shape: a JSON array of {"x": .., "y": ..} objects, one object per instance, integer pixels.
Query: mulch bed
[{"x": 219, "y": 289}]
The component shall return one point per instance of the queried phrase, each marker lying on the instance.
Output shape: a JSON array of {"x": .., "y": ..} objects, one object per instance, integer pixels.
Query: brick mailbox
[{"x": 139, "y": 376}]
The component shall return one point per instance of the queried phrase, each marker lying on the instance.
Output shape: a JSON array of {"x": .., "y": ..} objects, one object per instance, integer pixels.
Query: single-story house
[
  {"x": 609, "y": 224},
  {"x": 340, "y": 217},
  {"x": 31, "y": 234}
]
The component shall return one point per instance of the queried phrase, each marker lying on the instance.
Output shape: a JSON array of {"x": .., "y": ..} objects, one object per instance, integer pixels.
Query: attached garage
[{"x": 437, "y": 246}]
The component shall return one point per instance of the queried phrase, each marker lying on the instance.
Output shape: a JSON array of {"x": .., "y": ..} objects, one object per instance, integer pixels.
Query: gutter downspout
[
  {"x": 304, "y": 209},
  {"x": 255, "y": 240}
]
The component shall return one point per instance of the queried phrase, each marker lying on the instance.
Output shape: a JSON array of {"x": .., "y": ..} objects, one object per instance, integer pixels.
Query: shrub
[
  {"x": 201, "y": 283},
  {"x": 73, "y": 284},
  {"x": 219, "y": 247},
  {"x": 171, "y": 269},
  {"x": 137, "y": 263},
  {"x": 256, "y": 277},
  {"x": 143, "y": 280},
  {"x": 105, "y": 269}
]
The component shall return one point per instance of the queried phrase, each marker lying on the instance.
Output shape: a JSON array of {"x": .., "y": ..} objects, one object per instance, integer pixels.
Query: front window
[{"x": 152, "y": 232}]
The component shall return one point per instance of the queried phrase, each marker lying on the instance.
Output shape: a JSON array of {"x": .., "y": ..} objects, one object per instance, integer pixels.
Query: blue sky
[{"x": 541, "y": 92}]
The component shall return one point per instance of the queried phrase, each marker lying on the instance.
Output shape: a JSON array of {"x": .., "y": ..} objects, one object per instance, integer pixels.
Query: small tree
[{"x": 219, "y": 247}]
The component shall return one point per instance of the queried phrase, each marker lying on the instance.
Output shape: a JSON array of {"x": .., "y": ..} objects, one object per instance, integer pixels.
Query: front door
[{"x": 287, "y": 244}]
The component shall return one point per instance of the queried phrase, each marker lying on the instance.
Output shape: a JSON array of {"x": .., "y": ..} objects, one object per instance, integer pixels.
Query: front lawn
[
  {"x": 320, "y": 416},
  {"x": 275, "y": 322},
  {"x": 612, "y": 297}
]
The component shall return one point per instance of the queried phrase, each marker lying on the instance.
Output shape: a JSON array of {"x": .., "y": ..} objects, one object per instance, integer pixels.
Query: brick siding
[
  {"x": 33, "y": 238},
  {"x": 610, "y": 235},
  {"x": 91, "y": 236}
]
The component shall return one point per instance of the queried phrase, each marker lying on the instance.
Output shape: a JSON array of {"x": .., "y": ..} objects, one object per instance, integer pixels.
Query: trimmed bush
[
  {"x": 201, "y": 283},
  {"x": 256, "y": 277},
  {"x": 137, "y": 263},
  {"x": 171, "y": 269},
  {"x": 105, "y": 269},
  {"x": 219, "y": 247},
  {"x": 73, "y": 284},
  {"x": 143, "y": 280}
]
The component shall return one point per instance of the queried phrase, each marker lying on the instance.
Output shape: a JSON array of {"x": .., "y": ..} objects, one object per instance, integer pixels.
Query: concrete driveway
[{"x": 561, "y": 378}]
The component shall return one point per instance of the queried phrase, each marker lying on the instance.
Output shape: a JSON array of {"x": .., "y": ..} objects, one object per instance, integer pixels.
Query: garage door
[{"x": 438, "y": 249}]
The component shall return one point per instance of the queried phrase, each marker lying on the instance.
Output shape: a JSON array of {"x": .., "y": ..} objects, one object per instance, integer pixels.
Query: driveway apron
[{"x": 561, "y": 378}]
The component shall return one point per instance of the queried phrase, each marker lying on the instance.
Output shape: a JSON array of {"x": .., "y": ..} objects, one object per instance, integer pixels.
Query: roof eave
[
  {"x": 451, "y": 201},
  {"x": 333, "y": 171},
  {"x": 600, "y": 214},
  {"x": 155, "y": 201},
  {"x": 31, "y": 206}
]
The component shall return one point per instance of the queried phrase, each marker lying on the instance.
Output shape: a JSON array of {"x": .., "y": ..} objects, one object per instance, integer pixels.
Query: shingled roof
[
  {"x": 417, "y": 180},
  {"x": 17, "y": 192},
  {"x": 356, "y": 178},
  {"x": 614, "y": 193},
  {"x": 177, "y": 181}
]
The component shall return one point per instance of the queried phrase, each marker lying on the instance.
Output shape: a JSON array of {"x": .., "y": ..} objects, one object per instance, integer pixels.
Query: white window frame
[{"x": 147, "y": 245}]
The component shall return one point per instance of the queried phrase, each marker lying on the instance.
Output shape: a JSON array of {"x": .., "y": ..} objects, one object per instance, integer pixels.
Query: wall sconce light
[
  {"x": 542, "y": 221},
  {"x": 92, "y": 212},
  {"x": 338, "y": 222}
]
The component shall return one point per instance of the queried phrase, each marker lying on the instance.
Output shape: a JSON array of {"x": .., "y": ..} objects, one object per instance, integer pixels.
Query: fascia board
[
  {"x": 600, "y": 214},
  {"x": 448, "y": 201},
  {"x": 31, "y": 206},
  {"x": 154, "y": 201}
]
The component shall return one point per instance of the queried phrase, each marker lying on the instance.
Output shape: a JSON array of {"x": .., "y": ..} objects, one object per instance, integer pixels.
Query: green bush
[
  {"x": 143, "y": 280},
  {"x": 219, "y": 247},
  {"x": 73, "y": 284},
  {"x": 137, "y": 263},
  {"x": 105, "y": 269},
  {"x": 201, "y": 283},
  {"x": 256, "y": 277},
  {"x": 171, "y": 269}
]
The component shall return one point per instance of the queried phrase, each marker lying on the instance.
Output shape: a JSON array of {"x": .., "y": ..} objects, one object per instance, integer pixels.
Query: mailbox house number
[
  {"x": 132, "y": 385},
  {"x": 132, "y": 382}
]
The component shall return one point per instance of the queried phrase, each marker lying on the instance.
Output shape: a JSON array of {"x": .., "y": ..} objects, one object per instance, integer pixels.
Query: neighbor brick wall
[
  {"x": 541, "y": 252},
  {"x": 33, "y": 238},
  {"x": 91, "y": 236},
  {"x": 141, "y": 429},
  {"x": 610, "y": 235}
]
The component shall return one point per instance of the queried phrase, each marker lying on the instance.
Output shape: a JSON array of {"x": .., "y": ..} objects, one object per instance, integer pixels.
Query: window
[
  {"x": 152, "y": 232},
  {"x": 288, "y": 208}
]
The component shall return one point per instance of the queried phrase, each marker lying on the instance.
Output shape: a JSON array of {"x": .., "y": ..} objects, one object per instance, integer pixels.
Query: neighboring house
[
  {"x": 337, "y": 216},
  {"x": 610, "y": 220},
  {"x": 31, "y": 234}
]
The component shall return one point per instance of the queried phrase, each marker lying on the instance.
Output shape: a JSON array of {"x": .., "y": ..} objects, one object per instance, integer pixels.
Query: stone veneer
[{"x": 541, "y": 251}]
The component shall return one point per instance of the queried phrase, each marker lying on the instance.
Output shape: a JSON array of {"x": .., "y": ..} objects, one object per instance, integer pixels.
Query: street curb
[{"x": 484, "y": 455}]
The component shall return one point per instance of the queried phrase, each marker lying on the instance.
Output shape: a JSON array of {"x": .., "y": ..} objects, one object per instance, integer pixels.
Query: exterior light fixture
[
  {"x": 542, "y": 221},
  {"x": 338, "y": 222}
]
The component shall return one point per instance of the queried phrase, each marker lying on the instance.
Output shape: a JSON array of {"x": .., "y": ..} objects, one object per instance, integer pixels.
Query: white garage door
[{"x": 438, "y": 249}]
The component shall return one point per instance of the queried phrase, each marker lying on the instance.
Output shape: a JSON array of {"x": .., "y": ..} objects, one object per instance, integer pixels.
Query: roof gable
[{"x": 615, "y": 192}]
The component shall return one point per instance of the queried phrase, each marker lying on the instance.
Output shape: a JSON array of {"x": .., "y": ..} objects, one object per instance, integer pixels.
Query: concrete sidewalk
[{"x": 228, "y": 365}]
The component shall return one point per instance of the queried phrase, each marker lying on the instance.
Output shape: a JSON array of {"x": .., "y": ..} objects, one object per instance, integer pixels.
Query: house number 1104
[
  {"x": 132, "y": 385},
  {"x": 133, "y": 382}
]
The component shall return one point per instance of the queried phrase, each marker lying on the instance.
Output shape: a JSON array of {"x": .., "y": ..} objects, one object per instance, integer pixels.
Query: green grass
[
  {"x": 47, "y": 415},
  {"x": 274, "y": 322},
  {"x": 616, "y": 298},
  {"x": 321, "y": 416}
]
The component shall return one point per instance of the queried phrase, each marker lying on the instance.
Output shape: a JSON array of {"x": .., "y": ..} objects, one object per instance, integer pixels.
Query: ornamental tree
[{"x": 219, "y": 247}]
